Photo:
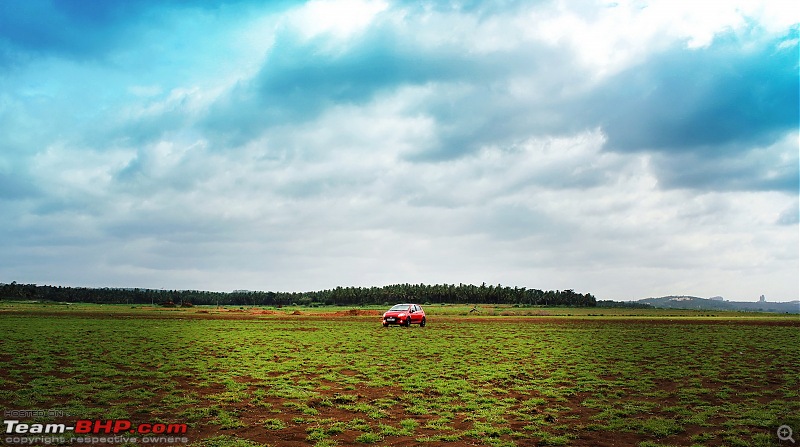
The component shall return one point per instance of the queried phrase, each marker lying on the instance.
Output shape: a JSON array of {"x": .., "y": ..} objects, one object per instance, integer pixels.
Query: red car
[{"x": 405, "y": 315}]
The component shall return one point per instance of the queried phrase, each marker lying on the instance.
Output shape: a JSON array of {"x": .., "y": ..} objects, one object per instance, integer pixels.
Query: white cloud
[
  {"x": 339, "y": 18},
  {"x": 611, "y": 38}
]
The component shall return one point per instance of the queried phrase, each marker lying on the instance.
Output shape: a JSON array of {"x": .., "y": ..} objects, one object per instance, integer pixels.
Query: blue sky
[{"x": 627, "y": 149}]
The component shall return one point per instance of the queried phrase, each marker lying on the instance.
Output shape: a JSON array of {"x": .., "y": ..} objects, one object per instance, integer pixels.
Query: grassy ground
[{"x": 501, "y": 376}]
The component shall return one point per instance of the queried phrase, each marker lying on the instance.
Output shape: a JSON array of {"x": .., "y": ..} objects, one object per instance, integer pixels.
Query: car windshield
[{"x": 399, "y": 307}]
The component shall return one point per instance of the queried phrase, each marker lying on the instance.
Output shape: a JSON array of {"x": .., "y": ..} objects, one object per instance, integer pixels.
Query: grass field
[{"x": 502, "y": 376}]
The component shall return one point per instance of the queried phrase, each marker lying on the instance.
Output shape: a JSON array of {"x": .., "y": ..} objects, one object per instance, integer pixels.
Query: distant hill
[{"x": 716, "y": 303}]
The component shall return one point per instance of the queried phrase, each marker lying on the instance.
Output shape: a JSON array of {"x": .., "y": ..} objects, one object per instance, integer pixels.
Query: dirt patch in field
[
  {"x": 539, "y": 317},
  {"x": 354, "y": 313}
]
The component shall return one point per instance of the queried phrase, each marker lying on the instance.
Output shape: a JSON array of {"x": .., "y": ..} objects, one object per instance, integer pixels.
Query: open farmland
[{"x": 499, "y": 377}]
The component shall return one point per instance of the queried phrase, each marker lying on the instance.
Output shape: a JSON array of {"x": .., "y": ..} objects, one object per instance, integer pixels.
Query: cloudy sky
[{"x": 628, "y": 149}]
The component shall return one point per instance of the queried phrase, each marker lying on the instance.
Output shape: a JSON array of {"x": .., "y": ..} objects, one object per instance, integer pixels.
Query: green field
[{"x": 500, "y": 376}]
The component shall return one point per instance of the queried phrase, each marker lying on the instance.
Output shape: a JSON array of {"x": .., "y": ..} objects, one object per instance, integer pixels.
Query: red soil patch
[{"x": 354, "y": 313}]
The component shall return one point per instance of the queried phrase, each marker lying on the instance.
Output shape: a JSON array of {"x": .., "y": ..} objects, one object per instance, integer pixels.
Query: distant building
[
  {"x": 717, "y": 298},
  {"x": 762, "y": 299}
]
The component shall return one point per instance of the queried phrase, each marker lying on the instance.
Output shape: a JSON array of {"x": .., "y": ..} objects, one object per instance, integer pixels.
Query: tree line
[{"x": 342, "y": 296}]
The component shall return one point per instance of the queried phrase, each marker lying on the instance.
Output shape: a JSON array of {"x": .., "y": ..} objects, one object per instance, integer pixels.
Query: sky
[{"x": 628, "y": 149}]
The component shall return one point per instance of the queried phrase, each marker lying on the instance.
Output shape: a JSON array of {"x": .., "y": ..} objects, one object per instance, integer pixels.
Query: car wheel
[
  {"x": 422, "y": 323},
  {"x": 408, "y": 322}
]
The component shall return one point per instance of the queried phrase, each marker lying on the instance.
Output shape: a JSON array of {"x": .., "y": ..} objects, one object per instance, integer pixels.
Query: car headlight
[{"x": 402, "y": 315}]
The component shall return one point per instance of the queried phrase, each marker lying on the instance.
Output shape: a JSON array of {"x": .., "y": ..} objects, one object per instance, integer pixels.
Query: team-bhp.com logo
[{"x": 93, "y": 427}]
